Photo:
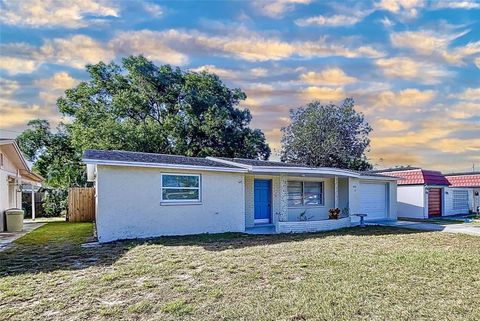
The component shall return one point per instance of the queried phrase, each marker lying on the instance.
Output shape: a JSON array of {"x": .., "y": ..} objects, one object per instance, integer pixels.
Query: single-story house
[
  {"x": 14, "y": 171},
  {"x": 141, "y": 195},
  {"x": 462, "y": 196},
  {"x": 426, "y": 193}
]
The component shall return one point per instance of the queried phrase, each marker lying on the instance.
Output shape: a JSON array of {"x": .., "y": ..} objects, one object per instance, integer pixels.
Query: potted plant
[{"x": 334, "y": 213}]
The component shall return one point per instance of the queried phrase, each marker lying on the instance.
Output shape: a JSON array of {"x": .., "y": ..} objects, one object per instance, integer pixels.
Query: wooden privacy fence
[{"x": 81, "y": 204}]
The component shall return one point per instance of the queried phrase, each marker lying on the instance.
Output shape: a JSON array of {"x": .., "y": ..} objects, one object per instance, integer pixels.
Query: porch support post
[
  {"x": 283, "y": 199},
  {"x": 336, "y": 191},
  {"x": 33, "y": 202}
]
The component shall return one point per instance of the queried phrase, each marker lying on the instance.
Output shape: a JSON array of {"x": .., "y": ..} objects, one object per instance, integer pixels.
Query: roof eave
[{"x": 162, "y": 165}]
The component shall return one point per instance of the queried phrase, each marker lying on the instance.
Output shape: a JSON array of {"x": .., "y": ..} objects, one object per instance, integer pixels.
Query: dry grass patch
[{"x": 365, "y": 274}]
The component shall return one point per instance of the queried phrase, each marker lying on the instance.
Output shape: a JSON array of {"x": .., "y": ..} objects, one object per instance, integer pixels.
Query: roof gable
[{"x": 14, "y": 154}]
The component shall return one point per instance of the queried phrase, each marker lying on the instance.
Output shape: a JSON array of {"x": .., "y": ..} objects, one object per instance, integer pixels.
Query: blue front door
[{"x": 262, "y": 200}]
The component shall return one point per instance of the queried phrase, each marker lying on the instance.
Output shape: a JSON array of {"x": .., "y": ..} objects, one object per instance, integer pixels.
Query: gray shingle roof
[
  {"x": 125, "y": 156},
  {"x": 373, "y": 174},
  {"x": 260, "y": 163},
  {"x": 395, "y": 169}
]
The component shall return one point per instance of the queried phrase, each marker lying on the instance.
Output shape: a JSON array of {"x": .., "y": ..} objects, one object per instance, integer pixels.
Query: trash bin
[{"x": 14, "y": 219}]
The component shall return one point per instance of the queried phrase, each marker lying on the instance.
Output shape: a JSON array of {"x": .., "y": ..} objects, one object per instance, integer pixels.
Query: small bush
[{"x": 55, "y": 203}]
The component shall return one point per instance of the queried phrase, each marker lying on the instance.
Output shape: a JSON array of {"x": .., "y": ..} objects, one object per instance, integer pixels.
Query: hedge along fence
[{"x": 81, "y": 204}]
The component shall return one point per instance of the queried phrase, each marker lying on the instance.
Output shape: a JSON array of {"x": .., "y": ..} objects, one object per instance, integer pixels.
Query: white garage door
[{"x": 373, "y": 200}]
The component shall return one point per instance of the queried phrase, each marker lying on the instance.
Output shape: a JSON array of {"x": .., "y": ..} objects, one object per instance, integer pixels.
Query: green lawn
[{"x": 367, "y": 274}]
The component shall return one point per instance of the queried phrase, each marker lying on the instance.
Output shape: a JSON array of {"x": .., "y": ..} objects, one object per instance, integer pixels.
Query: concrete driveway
[
  {"x": 7, "y": 238},
  {"x": 465, "y": 228}
]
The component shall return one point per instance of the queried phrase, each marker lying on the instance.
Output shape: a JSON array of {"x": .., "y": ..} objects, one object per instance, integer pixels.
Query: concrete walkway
[
  {"x": 7, "y": 238},
  {"x": 464, "y": 228}
]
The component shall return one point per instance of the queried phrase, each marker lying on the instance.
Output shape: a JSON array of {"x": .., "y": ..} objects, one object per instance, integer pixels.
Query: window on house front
[
  {"x": 1, "y": 160},
  {"x": 180, "y": 188},
  {"x": 304, "y": 193}
]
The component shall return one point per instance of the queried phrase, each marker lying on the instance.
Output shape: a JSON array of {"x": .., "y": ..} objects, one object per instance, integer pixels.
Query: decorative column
[
  {"x": 336, "y": 192},
  {"x": 283, "y": 217},
  {"x": 33, "y": 202}
]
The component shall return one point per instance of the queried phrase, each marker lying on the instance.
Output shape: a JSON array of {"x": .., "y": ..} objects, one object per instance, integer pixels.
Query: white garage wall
[
  {"x": 411, "y": 201},
  {"x": 128, "y": 204}
]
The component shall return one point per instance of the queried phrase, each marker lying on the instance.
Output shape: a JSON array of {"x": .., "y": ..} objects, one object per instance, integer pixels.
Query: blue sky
[{"x": 412, "y": 66}]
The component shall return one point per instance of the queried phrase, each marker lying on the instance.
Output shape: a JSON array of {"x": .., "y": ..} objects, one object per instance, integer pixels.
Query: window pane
[
  {"x": 170, "y": 194},
  {"x": 295, "y": 194},
  {"x": 313, "y": 193},
  {"x": 180, "y": 181}
]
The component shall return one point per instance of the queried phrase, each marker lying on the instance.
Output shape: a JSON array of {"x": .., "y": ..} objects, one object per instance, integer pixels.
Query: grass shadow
[
  {"x": 57, "y": 246},
  {"x": 228, "y": 241}
]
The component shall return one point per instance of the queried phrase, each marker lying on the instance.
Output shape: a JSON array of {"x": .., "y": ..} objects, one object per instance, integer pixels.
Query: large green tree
[
  {"x": 327, "y": 135},
  {"x": 52, "y": 154},
  {"x": 139, "y": 106},
  {"x": 54, "y": 158}
]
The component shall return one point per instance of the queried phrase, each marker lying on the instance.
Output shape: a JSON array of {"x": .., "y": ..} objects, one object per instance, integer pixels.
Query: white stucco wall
[
  {"x": 3, "y": 197},
  {"x": 249, "y": 202},
  {"x": 392, "y": 200},
  {"x": 354, "y": 199},
  {"x": 6, "y": 200},
  {"x": 411, "y": 201},
  {"x": 343, "y": 190},
  {"x": 128, "y": 204},
  {"x": 476, "y": 199}
]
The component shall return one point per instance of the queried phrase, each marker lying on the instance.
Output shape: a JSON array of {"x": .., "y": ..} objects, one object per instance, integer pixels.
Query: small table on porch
[{"x": 362, "y": 217}]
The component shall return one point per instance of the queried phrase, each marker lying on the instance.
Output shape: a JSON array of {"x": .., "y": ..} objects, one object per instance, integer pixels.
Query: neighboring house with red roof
[
  {"x": 464, "y": 192},
  {"x": 425, "y": 193}
]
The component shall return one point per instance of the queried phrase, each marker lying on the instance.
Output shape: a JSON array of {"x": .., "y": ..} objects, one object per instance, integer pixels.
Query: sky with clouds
[{"x": 412, "y": 66}]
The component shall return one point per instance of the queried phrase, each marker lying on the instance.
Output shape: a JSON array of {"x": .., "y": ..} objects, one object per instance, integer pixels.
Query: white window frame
[
  {"x": 322, "y": 203},
  {"x": 195, "y": 201}
]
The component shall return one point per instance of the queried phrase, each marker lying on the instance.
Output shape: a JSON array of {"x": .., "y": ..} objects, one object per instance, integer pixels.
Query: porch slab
[
  {"x": 7, "y": 238},
  {"x": 261, "y": 229}
]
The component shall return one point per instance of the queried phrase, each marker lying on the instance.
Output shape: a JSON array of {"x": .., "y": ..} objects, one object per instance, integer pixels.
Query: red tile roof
[
  {"x": 464, "y": 180},
  {"x": 418, "y": 177}
]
